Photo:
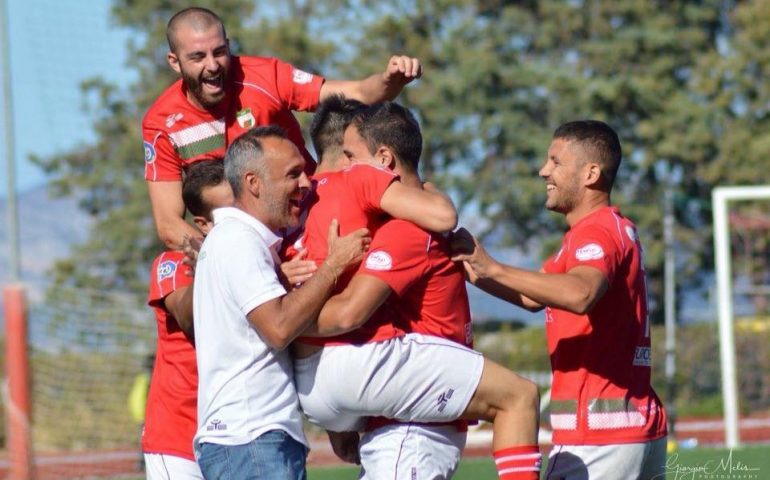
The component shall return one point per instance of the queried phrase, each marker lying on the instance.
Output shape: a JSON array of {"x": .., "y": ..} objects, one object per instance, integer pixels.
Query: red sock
[{"x": 518, "y": 463}]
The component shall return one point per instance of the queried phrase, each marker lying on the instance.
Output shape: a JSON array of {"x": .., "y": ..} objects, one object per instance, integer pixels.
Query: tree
[
  {"x": 502, "y": 75},
  {"x": 680, "y": 81},
  {"x": 107, "y": 176}
]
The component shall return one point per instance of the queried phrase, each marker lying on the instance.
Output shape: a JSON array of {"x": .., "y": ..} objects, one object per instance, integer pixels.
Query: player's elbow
[
  {"x": 166, "y": 236},
  {"x": 349, "y": 319},
  {"x": 532, "y": 307},
  {"x": 446, "y": 222},
  {"x": 580, "y": 303},
  {"x": 277, "y": 339},
  {"x": 348, "y": 323}
]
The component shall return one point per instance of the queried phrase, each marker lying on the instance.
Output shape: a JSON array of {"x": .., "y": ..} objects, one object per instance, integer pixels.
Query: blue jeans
[{"x": 274, "y": 455}]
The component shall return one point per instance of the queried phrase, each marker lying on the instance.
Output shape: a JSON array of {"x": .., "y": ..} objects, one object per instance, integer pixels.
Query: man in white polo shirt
[{"x": 249, "y": 423}]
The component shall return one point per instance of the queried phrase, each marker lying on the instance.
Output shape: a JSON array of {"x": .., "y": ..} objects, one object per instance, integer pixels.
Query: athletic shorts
[
  {"x": 405, "y": 452},
  {"x": 414, "y": 378},
  {"x": 170, "y": 467},
  {"x": 643, "y": 461}
]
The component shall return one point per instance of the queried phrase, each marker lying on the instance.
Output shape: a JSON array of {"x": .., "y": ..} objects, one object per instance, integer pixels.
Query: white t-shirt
[{"x": 245, "y": 387}]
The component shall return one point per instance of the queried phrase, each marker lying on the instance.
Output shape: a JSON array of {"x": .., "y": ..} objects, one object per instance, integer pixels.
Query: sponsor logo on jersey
[
  {"x": 245, "y": 118},
  {"x": 643, "y": 357},
  {"x": 631, "y": 232},
  {"x": 149, "y": 152},
  {"x": 301, "y": 77},
  {"x": 444, "y": 398},
  {"x": 379, "y": 260},
  {"x": 172, "y": 119},
  {"x": 166, "y": 269},
  {"x": 216, "y": 425},
  {"x": 592, "y": 251}
]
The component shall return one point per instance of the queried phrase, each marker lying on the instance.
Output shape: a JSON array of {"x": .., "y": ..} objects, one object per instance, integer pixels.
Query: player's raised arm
[{"x": 399, "y": 71}]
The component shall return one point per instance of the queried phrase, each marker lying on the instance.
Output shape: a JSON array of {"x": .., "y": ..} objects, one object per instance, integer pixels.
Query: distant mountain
[{"x": 48, "y": 228}]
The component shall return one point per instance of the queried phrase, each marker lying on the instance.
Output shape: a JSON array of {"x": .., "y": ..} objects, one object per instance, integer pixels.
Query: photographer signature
[{"x": 722, "y": 469}]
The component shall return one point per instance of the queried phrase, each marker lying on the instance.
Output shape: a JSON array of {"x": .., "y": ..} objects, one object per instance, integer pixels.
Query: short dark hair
[
  {"x": 600, "y": 142},
  {"x": 393, "y": 126},
  {"x": 199, "y": 175},
  {"x": 197, "y": 17},
  {"x": 243, "y": 150},
  {"x": 330, "y": 120}
]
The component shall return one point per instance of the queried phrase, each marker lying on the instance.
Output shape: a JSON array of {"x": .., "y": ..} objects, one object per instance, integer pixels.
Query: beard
[
  {"x": 195, "y": 87},
  {"x": 565, "y": 198}
]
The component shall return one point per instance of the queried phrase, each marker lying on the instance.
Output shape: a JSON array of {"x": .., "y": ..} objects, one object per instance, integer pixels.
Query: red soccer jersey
[
  {"x": 352, "y": 196},
  {"x": 429, "y": 294},
  {"x": 262, "y": 91},
  {"x": 171, "y": 415},
  {"x": 602, "y": 361}
]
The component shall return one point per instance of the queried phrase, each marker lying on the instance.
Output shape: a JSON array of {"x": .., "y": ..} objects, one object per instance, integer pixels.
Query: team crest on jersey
[
  {"x": 379, "y": 260},
  {"x": 301, "y": 77},
  {"x": 245, "y": 118},
  {"x": 592, "y": 251},
  {"x": 172, "y": 119},
  {"x": 166, "y": 269},
  {"x": 149, "y": 152}
]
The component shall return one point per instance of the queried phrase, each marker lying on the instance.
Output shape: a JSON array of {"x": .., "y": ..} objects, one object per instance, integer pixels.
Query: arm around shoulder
[
  {"x": 352, "y": 307},
  {"x": 427, "y": 208}
]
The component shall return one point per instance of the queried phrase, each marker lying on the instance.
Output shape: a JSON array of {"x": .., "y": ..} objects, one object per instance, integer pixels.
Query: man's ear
[
  {"x": 253, "y": 183},
  {"x": 385, "y": 157},
  {"x": 593, "y": 175},
  {"x": 173, "y": 62}
]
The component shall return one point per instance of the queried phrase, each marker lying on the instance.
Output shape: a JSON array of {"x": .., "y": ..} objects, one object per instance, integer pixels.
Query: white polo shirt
[{"x": 245, "y": 387}]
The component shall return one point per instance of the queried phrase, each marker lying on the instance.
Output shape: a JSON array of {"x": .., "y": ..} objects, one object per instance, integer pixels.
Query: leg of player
[{"x": 511, "y": 403}]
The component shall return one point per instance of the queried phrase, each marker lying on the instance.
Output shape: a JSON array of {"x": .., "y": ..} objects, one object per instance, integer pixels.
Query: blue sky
[{"x": 54, "y": 46}]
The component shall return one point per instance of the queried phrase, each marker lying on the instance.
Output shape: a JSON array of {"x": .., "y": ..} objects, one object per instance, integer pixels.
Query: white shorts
[
  {"x": 642, "y": 461},
  {"x": 406, "y": 451},
  {"x": 415, "y": 378},
  {"x": 170, "y": 467}
]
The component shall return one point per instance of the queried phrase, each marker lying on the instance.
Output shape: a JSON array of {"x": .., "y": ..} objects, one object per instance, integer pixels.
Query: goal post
[{"x": 720, "y": 197}]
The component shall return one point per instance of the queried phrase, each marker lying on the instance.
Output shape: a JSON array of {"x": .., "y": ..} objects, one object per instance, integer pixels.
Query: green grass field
[{"x": 750, "y": 463}]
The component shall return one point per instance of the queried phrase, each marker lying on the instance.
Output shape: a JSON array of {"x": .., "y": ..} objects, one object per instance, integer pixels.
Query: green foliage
[{"x": 682, "y": 82}]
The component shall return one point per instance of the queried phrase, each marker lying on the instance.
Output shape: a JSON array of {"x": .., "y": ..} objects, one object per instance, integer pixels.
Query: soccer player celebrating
[
  {"x": 170, "y": 418},
  {"x": 607, "y": 420},
  {"x": 219, "y": 96},
  {"x": 377, "y": 368}
]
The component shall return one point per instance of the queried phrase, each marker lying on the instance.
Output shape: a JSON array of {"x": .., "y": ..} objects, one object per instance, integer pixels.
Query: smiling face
[
  {"x": 283, "y": 182},
  {"x": 202, "y": 58},
  {"x": 562, "y": 173}
]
